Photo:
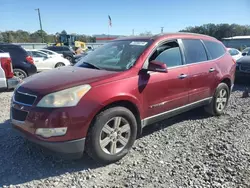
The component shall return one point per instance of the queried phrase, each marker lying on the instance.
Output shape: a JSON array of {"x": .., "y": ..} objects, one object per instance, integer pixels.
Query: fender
[{"x": 124, "y": 97}]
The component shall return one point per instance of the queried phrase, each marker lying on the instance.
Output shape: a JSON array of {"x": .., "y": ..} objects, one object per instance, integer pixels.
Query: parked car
[
  {"x": 66, "y": 51},
  {"x": 50, "y": 53},
  {"x": 23, "y": 64},
  {"x": 246, "y": 51},
  {"x": 236, "y": 54},
  {"x": 243, "y": 67},
  {"x": 101, "y": 104},
  {"x": 45, "y": 62},
  {"x": 7, "y": 79}
]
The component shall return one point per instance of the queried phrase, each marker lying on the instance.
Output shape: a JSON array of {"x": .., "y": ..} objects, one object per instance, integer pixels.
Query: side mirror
[
  {"x": 157, "y": 66},
  {"x": 244, "y": 53}
]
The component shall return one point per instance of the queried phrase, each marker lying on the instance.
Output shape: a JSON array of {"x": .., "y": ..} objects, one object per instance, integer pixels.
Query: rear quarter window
[{"x": 215, "y": 49}]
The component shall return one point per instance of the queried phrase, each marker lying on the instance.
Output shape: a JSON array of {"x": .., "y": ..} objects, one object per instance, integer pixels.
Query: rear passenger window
[
  {"x": 215, "y": 49},
  {"x": 194, "y": 51}
]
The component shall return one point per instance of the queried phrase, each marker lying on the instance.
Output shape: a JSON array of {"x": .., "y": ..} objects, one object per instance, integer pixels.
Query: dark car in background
[
  {"x": 67, "y": 52},
  {"x": 243, "y": 67},
  {"x": 23, "y": 64},
  {"x": 246, "y": 52}
]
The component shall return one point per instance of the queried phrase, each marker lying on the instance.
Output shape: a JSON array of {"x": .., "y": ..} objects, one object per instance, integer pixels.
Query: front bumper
[
  {"x": 72, "y": 149},
  {"x": 13, "y": 82}
]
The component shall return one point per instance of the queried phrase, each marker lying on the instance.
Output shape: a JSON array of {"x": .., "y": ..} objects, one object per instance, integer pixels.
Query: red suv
[{"x": 101, "y": 104}]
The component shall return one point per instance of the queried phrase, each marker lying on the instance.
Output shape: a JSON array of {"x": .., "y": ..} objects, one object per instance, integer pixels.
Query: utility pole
[
  {"x": 133, "y": 32},
  {"x": 41, "y": 28},
  {"x": 162, "y": 30}
]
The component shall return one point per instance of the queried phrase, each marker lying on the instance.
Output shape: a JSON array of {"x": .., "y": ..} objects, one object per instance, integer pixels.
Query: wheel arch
[
  {"x": 126, "y": 103},
  {"x": 227, "y": 81},
  {"x": 20, "y": 68},
  {"x": 58, "y": 63}
]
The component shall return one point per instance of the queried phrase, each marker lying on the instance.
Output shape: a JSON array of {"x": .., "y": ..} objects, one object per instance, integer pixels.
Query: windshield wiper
[{"x": 94, "y": 66}]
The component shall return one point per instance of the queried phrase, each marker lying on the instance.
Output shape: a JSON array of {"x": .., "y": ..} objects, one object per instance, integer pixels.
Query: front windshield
[{"x": 116, "y": 55}]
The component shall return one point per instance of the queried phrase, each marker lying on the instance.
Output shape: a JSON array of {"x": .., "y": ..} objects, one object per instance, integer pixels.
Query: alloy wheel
[
  {"x": 221, "y": 100},
  {"x": 19, "y": 74},
  {"x": 115, "y": 135}
]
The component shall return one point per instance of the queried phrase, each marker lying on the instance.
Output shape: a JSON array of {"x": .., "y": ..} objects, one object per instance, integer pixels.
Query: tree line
[
  {"x": 21, "y": 36},
  {"x": 218, "y": 31}
]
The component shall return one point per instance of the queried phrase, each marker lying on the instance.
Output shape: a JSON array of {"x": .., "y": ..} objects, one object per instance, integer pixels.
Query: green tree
[
  {"x": 220, "y": 31},
  {"x": 1, "y": 37},
  {"x": 146, "y": 33}
]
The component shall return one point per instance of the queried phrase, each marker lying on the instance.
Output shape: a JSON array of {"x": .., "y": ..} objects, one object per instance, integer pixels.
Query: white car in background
[
  {"x": 45, "y": 62},
  {"x": 50, "y": 53},
  {"x": 236, "y": 54}
]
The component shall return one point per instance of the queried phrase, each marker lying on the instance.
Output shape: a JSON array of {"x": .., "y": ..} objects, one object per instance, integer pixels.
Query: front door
[
  {"x": 40, "y": 60},
  {"x": 202, "y": 72},
  {"x": 163, "y": 92}
]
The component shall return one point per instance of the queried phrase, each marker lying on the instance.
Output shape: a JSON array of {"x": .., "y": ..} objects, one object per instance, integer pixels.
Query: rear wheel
[
  {"x": 111, "y": 135},
  {"x": 20, "y": 74},
  {"x": 59, "y": 65},
  {"x": 220, "y": 100},
  {"x": 69, "y": 58}
]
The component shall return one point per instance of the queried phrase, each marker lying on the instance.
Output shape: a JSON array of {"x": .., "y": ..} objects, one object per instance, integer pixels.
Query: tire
[
  {"x": 59, "y": 65},
  {"x": 69, "y": 58},
  {"x": 97, "y": 134},
  {"x": 20, "y": 73},
  {"x": 213, "y": 108}
]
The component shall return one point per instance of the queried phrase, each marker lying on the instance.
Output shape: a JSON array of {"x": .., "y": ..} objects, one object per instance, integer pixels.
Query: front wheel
[
  {"x": 111, "y": 135},
  {"x": 220, "y": 100}
]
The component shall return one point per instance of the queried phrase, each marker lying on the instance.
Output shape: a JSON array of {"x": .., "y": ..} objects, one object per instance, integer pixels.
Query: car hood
[
  {"x": 244, "y": 60},
  {"x": 62, "y": 78}
]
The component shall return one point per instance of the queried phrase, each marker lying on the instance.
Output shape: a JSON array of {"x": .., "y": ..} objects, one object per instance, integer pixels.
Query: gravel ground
[{"x": 190, "y": 150}]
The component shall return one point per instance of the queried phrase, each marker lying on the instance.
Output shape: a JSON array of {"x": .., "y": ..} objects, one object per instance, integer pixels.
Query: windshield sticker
[{"x": 138, "y": 43}]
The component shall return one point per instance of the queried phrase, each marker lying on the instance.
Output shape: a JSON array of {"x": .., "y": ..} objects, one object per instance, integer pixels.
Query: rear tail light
[
  {"x": 30, "y": 59},
  {"x": 6, "y": 64}
]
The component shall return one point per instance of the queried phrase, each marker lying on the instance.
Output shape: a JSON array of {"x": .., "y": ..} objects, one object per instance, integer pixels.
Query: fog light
[{"x": 49, "y": 132}]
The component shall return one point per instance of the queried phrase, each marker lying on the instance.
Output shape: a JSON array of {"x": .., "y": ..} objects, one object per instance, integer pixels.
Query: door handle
[
  {"x": 211, "y": 70},
  {"x": 182, "y": 76}
]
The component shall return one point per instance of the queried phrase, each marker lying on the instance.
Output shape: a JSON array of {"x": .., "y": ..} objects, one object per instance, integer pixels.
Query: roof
[
  {"x": 154, "y": 37},
  {"x": 8, "y": 44},
  {"x": 237, "y": 37}
]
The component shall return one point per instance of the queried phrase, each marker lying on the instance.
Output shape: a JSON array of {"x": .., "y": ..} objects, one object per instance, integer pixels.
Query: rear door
[{"x": 202, "y": 72}]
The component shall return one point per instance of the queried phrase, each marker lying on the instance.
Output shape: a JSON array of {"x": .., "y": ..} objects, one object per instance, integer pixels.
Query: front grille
[
  {"x": 245, "y": 68},
  {"x": 18, "y": 114},
  {"x": 24, "y": 98}
]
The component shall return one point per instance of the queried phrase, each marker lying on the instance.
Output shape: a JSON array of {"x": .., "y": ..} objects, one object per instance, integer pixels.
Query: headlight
[
  {"x": 49, "y": 132},
  {"x": 65, "y": 98}
]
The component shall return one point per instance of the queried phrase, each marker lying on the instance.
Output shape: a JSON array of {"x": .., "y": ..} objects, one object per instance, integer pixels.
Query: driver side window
[{"x": 168, "y": 53}]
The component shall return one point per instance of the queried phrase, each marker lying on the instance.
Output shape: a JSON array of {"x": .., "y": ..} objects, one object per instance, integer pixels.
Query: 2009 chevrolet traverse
[{"x": 101, "y": 104}]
